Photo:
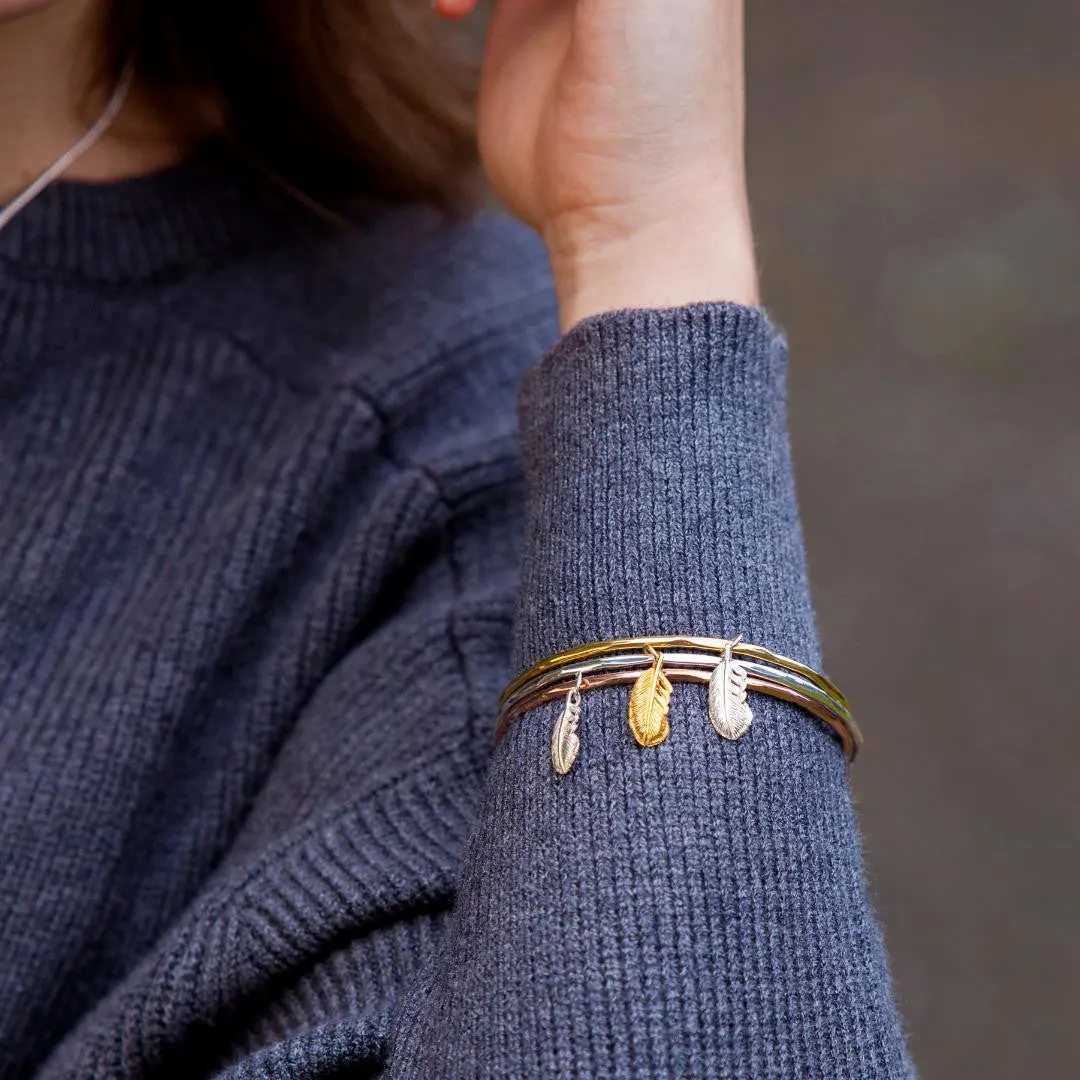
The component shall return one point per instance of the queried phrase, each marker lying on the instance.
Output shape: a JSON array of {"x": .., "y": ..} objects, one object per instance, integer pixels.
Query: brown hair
[{"x": 331, "y": 97}]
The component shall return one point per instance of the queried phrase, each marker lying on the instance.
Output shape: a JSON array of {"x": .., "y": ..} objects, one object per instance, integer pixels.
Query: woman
[{"x": 270, "y": 555}]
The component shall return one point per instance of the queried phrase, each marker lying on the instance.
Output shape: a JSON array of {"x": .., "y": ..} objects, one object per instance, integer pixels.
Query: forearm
[{"x": 695, "y": 909}]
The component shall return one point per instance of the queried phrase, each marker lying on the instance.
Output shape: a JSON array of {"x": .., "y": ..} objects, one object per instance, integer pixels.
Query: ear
[{"x": 454, "y": 9}]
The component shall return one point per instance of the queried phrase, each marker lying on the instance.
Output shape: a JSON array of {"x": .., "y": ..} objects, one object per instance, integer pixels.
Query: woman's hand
[{"x": 615, "y": 128}]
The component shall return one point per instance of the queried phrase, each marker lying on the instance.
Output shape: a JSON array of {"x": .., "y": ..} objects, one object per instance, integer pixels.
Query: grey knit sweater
[{"x": 282, "y": 510}]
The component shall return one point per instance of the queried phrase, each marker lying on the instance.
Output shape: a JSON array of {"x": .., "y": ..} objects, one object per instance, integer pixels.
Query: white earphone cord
[{"x": 67, "y": 159}]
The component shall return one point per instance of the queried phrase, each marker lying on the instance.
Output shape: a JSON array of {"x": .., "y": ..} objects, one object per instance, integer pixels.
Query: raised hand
[{"x": 615, "y": 128}]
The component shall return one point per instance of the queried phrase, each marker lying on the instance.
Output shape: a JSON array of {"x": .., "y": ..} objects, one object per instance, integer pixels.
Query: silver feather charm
[
  {"x": 728, "y": 710},
  {"x": 565, "y": 744}
]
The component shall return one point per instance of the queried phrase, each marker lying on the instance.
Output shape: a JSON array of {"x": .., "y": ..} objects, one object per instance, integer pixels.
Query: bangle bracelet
[{"x": 651, "y": 665}]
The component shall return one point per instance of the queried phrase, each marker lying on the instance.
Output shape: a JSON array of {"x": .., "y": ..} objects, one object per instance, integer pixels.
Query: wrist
[{"x": 697, "y": 258}]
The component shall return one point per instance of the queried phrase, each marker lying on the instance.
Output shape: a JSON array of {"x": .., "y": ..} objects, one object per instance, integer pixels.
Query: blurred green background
[{"x": 915, "y": 176}]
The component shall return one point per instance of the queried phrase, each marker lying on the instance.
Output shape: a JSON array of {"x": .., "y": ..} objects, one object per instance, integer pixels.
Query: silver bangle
[{"x": 729, "y": 668}]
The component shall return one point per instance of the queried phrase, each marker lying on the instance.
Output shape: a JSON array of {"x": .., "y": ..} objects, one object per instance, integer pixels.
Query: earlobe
[{"x": 454, "y": 9}]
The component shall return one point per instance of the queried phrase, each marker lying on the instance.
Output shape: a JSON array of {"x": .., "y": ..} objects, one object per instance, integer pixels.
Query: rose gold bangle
[{"x": 730, "y": 668}]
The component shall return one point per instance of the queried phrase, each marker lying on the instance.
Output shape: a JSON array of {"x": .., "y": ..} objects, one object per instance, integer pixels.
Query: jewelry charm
[
  {"x": 565, "y": 744},
  {"x": 650, "y": 665},
  {"x": 650, "y": 700},
  {"x": 728, "y": 710}
]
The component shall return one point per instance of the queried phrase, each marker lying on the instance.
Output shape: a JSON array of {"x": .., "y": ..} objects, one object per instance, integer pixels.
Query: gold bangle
[{"x": 651, "y": 664}]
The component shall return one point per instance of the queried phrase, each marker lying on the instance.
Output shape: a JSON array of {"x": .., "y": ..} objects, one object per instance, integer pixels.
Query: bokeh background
[
  {"x": 915, "y": 177},
  {"x": 915, "y": 172}
]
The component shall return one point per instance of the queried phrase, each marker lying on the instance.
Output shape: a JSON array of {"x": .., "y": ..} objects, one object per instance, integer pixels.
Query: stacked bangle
[{"x": 651, "y": 664}]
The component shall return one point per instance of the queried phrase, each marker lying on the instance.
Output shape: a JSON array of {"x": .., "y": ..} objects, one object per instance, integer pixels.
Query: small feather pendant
[
  {"x": 650, "y": 699},
  {"x": 728, "y": 710},
  {"x": 565, "y": 744}
]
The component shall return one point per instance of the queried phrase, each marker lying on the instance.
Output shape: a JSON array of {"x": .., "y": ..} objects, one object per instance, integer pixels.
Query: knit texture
[{"x": 282, "y": 510}]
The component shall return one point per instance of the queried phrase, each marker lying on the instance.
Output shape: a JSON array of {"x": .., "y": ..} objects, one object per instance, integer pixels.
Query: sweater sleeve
[
  {"x": 698, "y": 908},
  {"x": 404, "y": 901}
]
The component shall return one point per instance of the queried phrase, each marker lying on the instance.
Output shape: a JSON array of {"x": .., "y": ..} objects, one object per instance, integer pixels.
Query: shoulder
[
  {"x": 376, "y": 302},
  {"x": 433, "y": 321},
  {"x": 473, "y": 297}
]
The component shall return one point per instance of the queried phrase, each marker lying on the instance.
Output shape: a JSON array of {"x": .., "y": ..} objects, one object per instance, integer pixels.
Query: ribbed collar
[{"x": 146, "y": 226}]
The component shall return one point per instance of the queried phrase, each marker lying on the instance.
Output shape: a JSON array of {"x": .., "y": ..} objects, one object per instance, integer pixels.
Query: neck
[{"x": 49, "y": 96}]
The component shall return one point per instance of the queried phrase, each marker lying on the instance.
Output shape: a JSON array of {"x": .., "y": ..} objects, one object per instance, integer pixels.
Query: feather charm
[
  {"x": 565, "y": 744},
  {"x": 728, "y": 710},
  {"x": 650, "y": 699}
]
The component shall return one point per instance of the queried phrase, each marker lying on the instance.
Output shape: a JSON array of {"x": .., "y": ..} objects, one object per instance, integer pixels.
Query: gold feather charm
[
  {"x": 565, "y": 744},
  {"x": 728, "y": 710},
  {"x": 649, "y": 702}
]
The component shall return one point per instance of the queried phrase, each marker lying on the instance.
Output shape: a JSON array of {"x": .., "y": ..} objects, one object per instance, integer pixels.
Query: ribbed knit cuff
[
  {"x": 661, "y": 493},
  {"x": 699, "y": 908}
]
